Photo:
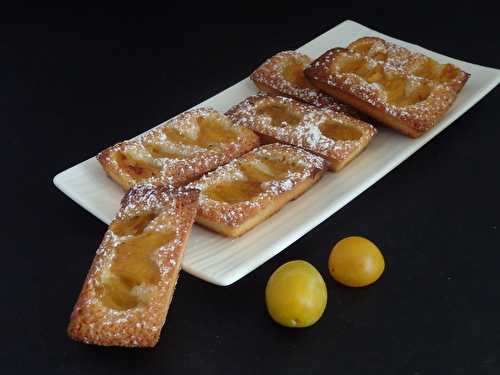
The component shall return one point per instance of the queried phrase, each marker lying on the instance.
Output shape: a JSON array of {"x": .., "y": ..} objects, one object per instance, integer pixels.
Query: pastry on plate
[
  {"x": 410, "y": 62},
  {"x": 128, "y": 290},
  {"x": 333, "y": 135},
  {"x": 243, "y": 193},
  {"x": 179, "y": 151},
  {"x": 396, "y": 98},
  {"x": 283, "y": 74}
]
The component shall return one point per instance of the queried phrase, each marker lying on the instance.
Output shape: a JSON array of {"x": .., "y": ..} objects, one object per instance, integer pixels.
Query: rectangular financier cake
[
  {"x": 404, "y": 101},
  {"x": 333, "y": 135},
  {"x": 237, "y": 196},
  {"x": 179, "y": 151},
  {"x": 128, "y": 290},
  {"x": 410, "y": 62},
  {"x": 283, "y": 74}
]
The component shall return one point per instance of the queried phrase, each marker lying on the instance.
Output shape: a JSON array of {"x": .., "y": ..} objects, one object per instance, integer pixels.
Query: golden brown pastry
[
  {"x": 403, "y": 101},
  {"x": 241, "y": 194},
  {"x": 410, "y": 62},
  {"x": 333, "y": 135},
  {"x": 283, "y": 74},
  {"x": 179, "y": 151},
  {"x": 128, "y": 290}
]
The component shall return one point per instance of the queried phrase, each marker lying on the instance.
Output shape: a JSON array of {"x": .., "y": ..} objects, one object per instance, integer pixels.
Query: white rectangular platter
[{"x": 223, "y": 261}]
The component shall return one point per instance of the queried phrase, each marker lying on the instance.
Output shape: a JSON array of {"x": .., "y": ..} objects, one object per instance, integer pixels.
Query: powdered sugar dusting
[
  {"x": 306, "y": 133},
  {"x": 233, "y": 214},
  {"x": 188, "y": 161},
  {"x": 421, "y": 115},
  {"x": 408, "y": 61},
  {"x": 271, "y": 74},
  {"x": 137, "y": 326}
]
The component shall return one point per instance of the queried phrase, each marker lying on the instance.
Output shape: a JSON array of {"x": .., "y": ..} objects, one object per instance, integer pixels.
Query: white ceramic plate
[{"x": 223, "y": 261}]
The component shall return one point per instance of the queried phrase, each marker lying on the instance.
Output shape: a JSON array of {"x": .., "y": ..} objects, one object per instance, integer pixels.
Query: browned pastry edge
[
  {"x": 412, "y": 120},
  {"x": 407, "y": 60},
  {"x": 369, "y": 110},
  {"x": 235, "y": 219},
  {"x": 255, "y": 217},
  {"x": 182, "y": 171},
  {"x": 305, "y": 134},
  {"x": 268, "y": 78},
  {"x": 93, "y": 323}
]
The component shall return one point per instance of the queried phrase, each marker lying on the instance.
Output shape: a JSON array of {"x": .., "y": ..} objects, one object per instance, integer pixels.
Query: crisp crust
[
  {"x": 234, "y": 219},
  {"x": 270, "y": 78},
  {"x": 408, "y": 61},
  {"x": 372, "y": 98},
  {"x": 307, "y": 132},
  {"x": 194, "y": 161},
  {"x": 94, "y": 323}
]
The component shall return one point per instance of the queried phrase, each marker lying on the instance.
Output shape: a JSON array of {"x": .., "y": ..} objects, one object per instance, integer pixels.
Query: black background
[{"x": 73, "y": 81}]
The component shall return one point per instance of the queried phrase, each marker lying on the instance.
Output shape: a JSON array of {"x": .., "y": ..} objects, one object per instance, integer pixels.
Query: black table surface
[{"x": 74, "y": 81}]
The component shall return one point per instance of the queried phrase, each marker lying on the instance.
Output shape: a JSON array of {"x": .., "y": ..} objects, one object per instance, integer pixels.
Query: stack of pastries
[{"x": 229, "y": 172}]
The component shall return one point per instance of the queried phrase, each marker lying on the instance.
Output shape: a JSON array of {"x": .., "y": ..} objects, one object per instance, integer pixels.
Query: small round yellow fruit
[
  {"x": 356, "y": 262},
  {"x": 296, "y": 294}
]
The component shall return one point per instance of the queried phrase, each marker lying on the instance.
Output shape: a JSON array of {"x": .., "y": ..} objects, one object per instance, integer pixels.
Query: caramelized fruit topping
[
  {"x": 339, "y": 132},
  {"x": 293, "y": 71},
  {"x": 429, "y": 69},
  {"x": 133, "y": 226},
  {"x": 398, "y": 91},
  {"x": 136, "y": 167},
  {"x": 255, "y": 174},
  {"x": 280, "y": 115},
  {"x": 432, "y": 70},
  {"x": 210, "y": 133},
  {"x": 133, "y": 269},
  {"x": 158, "y": 152},
  {"x": 234, "y": 191}
]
